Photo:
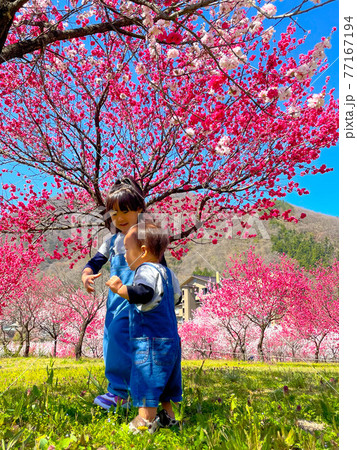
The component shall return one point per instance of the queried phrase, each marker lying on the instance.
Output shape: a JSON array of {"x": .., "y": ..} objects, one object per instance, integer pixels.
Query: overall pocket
[
  {"x": 164, "y": 351},
  {"x": 140, "y": 349}
]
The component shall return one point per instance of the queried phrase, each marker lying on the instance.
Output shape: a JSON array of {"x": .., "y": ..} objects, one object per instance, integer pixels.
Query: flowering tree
[
  {"x": 46, "y": 23},
  {"x": 223, "y": 305},
  {"x": 200, "y": 336},
  {"x": 82, "y": 310},
  {"x": 93, "y": 339},
  {"x": 18, "y": 263},
  {"x": 266, "y": 291},
  {"x": 23, "y": 311},
  {"x": 53, "y": 316},
  {"x": 198, "y": 101},
  {"x": 315, "y": 317},
  {"x": 251, "y": 298}
]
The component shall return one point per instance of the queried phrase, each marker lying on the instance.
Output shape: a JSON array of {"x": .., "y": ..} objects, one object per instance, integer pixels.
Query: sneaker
[
  {"x": 139, "y": 424},
  {"x": 107, "y": 400},
  {"x": 166, "y": 421}
]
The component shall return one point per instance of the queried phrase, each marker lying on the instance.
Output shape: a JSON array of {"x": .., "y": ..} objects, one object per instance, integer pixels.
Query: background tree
[
  {"x": 279, "y": 308},
  {"x": 18, "y": 263},
  {"x": 54, "y": 315},
  {"x": 302, "y": 247},
  {"x": 82, "y": 311},
  {"x": 23, "y": 312},
  {"x": 266, "y": 291},
  {"x": 314, "y": 317},
  {"x": 223, "y": 304}
]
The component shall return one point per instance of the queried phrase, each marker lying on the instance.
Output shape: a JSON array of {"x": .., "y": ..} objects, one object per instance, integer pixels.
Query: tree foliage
[
  {"x": 203, "y": 272},
  {"x": 303, "y": 247},
  {"x": 277, "y": 309}
]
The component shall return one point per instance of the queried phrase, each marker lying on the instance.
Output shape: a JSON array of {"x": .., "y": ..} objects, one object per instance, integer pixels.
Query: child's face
[
  {"x": 133, "y": 253},
  {"x": 123, "y": 220}
]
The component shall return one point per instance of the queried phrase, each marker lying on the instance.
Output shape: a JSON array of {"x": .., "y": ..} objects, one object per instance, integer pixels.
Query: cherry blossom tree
[
  {"x": 222, "y": 305},
  {"x": 23, "y": 310},
  {"x": 54, "y": 315},
  {"x": 18, "y": 263},
  {"x": 93, "y": 339},
  {"x": 199, "y": 101},
  {"x": 28, "y": 28},
  {"x": 265, "y": 292},
  {"x": 315, "y": 317},
  {"x": 200, "y": 336},
  {"x": 252, "y": 297},
  {"x": 82, "y": 310}
]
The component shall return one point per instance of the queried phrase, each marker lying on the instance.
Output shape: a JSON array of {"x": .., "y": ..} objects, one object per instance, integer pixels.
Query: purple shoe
[{"x": 107, "y": 400}]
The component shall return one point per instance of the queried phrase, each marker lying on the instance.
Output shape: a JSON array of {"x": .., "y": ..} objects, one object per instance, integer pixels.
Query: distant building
[{"x": 191, "y": 288}]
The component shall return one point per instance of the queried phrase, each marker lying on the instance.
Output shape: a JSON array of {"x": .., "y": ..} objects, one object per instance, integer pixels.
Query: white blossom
[
  {"x": 255, "y": 26},
  {"x": 148, "y": 19},
  {"x": 229, "y": 62},
  {"x": 269, "y": 9},
  {"x": 316, "y": 101},
  {"x": 238, "y": 52},
  {"x": 173, "y": 53},
  {"x": 305, "y": 71},
  {"x": 264, "y": 96},
  {"x": 190, "y": 132},
  {"x": 154, "y": 49},
  {"x": 222, "y": 148},
  {"x": 227, "y": 6},
  {"x": 284, "y": 93},
  {"x": 140, "y": 69},
  {"x": 207, "y": 39},
  {"x": 268, "y": 34},
  {"x": 294, "y": 111}
]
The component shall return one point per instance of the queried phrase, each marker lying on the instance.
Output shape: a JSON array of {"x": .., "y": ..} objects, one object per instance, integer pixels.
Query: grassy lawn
[{"x": 48, "y": 404}]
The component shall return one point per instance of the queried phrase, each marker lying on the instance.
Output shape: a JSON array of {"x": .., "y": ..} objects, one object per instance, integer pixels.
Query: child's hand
[
  {"x": 114, "y": 284},
  {"x": 88, "y": 282}
]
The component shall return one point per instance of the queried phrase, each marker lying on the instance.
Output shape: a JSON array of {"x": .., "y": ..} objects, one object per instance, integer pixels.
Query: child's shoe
[
  {"x": 108, "y": 400},
  {"x": 139, "y": 424},
  {"x": 165, "y": 421}
]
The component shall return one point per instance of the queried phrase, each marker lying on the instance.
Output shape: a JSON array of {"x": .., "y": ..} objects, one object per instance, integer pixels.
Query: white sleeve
[{"x": 146, "y": 275}]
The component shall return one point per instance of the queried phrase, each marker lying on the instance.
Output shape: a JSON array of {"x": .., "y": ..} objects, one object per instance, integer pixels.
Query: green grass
[{"x": 47, "y": 404}]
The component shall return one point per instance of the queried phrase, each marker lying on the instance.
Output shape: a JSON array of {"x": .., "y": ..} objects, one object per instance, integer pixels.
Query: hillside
[{"x": 203, "y": 254}]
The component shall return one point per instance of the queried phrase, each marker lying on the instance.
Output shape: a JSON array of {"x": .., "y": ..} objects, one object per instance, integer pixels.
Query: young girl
[{"x": 124, "y": 203}]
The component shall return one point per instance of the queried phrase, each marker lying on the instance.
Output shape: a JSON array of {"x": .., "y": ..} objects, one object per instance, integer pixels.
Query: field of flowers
[{"x": 47, "y": 404}]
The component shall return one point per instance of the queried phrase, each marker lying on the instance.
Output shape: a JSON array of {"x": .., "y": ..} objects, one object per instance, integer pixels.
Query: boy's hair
[
  {"x": 126, "y": 195},
  {"x": 152, "y": 236}
]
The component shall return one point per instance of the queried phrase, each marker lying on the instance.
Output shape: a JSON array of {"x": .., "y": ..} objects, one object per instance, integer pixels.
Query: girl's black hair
[{"x": 125, "y": 194}]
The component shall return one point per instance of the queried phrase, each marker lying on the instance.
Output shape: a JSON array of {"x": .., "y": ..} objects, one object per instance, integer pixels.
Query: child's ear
[{"x": 144, "y": 250}]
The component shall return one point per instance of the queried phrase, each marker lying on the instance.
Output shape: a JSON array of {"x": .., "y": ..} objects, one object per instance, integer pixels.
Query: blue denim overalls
[
  {"x": 116, "y": 347},
  {"x": 156, "y": 369}
]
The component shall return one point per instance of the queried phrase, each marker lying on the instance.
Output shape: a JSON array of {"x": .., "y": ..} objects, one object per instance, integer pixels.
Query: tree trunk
[
  {"x": 260, "y": 344},
  {"x": 27, "y": 344},
  {"x": 79, "y": 344},
  {"x": 54, "y": 354},
  {"x": 317, "y": 353}
]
